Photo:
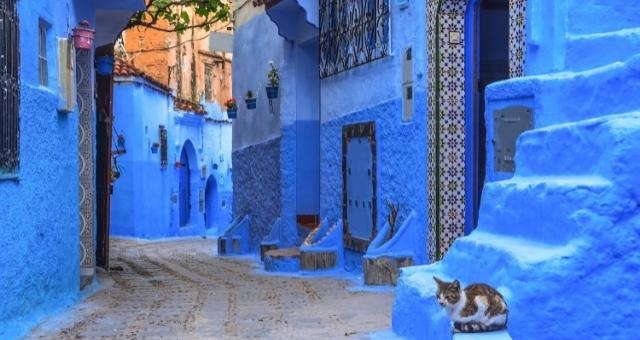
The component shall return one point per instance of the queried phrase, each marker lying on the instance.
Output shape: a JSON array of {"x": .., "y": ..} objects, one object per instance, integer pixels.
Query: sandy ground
[{"x": 180, "y": 290}]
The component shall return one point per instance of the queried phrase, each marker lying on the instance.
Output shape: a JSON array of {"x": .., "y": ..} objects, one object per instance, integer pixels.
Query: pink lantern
[{"x": 83, "y": 36}]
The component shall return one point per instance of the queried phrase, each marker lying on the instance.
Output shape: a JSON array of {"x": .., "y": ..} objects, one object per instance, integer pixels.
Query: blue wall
[
  {"x": 373, "y": 92},
  {"x": 145, "y": 200},
  {"x": 257, "y": 135},
  {"x": 577, "y": 169},
  {"x": 39, "y": 236}
]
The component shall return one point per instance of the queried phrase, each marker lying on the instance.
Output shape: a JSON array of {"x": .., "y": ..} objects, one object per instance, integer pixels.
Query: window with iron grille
[
  {"x": 10, "y": 82},
  {"x": 42, "y": 66},
  {"x": 163, "y": 146},
  {"x": 208, "y": 82},
  {"x": 352, "y": 33}
]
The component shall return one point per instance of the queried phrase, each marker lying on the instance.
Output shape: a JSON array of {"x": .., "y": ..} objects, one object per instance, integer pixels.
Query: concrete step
[
  {"x": 600, "y": 146},
  {"x": 571, "y": 96},
  {"x": 282, "y": 260},
  {"x": 501, "y": 335},
  {"x": 586, "y": 51},
  {"x": 549, "y": 209},
  {"x": 597, "y": 16}
]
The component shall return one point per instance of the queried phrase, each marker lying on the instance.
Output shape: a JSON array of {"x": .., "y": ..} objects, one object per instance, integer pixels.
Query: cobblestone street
[{"x": 178, "y": 289}]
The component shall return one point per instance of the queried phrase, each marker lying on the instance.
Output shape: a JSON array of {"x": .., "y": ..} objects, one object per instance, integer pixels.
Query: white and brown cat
[{"x": 476, "y": 308}]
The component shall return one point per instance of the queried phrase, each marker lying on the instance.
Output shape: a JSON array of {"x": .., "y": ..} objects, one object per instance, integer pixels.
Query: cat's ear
[
  {"x": 438, "y": 281},
  {"x": 456, "y": 284}
]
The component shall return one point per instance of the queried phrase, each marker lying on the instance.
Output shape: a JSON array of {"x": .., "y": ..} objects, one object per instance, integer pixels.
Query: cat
[{"x": 476, "y": 308}]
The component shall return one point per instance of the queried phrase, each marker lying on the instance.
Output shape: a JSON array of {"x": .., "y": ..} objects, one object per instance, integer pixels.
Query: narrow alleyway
[{"x": 180, "y": 290}]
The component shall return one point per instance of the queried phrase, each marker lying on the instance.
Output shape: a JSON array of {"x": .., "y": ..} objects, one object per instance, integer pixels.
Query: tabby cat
[{"x": 476, "y": 308}]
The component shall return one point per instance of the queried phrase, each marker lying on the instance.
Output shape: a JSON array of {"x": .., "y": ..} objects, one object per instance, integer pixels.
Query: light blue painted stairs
[{"x": 559, "y": 237}]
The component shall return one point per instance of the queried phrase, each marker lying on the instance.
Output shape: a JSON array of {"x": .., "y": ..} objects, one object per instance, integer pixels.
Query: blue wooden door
[
  {"x": 184, "y": 189},
  {"x": 360, "y": 188}
]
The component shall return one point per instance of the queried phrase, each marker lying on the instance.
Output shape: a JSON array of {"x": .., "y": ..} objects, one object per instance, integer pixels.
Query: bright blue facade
[
  {"x": 558, "y": 236},
  {"x": 40, "y": 234},
  {"x": 191, "y": 194},
  {"x": 304, "y": 131}
]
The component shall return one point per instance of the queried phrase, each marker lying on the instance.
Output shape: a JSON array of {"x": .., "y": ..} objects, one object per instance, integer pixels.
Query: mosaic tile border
[
  {"x": 446, "y": 114},
  {"x": 84, "y": 62}
]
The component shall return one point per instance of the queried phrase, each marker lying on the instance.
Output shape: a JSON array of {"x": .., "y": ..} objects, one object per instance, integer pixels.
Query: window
[
  {"x": 352, "y": 33},
  {"x": 208, "y": 82},
  {"x": 163, "y": 146},
  {"x": 42, "y": 55},
  {"x": 10, "y": 81}
]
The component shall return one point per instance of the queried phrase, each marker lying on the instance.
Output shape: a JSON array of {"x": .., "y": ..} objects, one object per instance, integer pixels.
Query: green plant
[
  {"x": 273, "y": 75},
  {"x": 249, "y": 95},
  {"x": 231, "y": 104}
]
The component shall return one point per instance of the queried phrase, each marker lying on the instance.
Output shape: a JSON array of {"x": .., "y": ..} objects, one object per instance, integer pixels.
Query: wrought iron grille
[
  {"x": 352, "y": 33},
  {"x": 10, "y": 82},
  {"x": 163, "y": 146}
]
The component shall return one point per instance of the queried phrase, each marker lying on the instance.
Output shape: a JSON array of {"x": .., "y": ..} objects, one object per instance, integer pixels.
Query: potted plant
[
  {"x": 154, "y": 147},
  {"x": 274, "y": 81},
  {"x": 250, "y": 100},
  {"x": 232, "y": 108},
  {"x": 178, "y": 165}
]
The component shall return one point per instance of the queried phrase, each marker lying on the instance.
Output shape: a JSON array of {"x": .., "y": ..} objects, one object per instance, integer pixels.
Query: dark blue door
[
  {"x": 360, "y": 188},
  {"x": 184, "y": 189}
]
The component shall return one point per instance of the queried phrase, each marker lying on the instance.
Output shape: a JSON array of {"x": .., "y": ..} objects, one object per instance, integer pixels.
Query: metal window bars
[{"x": 10, "y": 83}]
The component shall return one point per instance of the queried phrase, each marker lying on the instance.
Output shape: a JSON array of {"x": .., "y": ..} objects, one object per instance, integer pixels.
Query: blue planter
[
  {"x": 251, "y": 103},
  {"x": 232, "y": 113},
  {"x": 154, "y": 148},
  {"x": 272, "y": 92}
]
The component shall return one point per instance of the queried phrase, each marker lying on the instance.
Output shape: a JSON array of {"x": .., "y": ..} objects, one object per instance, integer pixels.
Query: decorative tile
[
  {"x": 517, "y": 37},
  {"x": 446, "y": 114},
  {"x": 85, "y": 148}
]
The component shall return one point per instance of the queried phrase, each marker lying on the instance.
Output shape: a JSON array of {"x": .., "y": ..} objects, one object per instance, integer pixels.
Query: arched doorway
[
  {"x": 187, "y": 184},
  {"x": 212, "y": 204},
  {"x": 466, "y": 47}
]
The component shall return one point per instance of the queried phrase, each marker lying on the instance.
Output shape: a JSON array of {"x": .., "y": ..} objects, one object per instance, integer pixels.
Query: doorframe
[{"x": 368, "y": 130}]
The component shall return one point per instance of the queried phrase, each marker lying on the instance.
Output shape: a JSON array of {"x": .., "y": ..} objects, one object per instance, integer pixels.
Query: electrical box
[
  {"x": 508, "y": 124},
  {"x": 407, "y": 85}
]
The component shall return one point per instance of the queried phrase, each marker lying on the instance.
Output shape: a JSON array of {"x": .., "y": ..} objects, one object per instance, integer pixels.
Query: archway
[
  {"x": 212, "y": 204},
  {"x": 459, "y": 68},
  {"x": 187, "y": 184}
]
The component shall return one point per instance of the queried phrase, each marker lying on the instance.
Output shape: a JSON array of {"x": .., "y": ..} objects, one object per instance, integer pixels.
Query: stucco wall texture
[
  {"x": 39, "y": 220},
  {"x": 256, "y": 183},
  {"x": 400, "y": 155}
]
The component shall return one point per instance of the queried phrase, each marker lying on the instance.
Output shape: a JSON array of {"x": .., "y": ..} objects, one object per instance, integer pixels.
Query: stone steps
[
  {"x": 586, "y": 51},
  {"x": 573, "y": 96},
  {"x": 598, "y": 16},
  {"x": 546, "y": 209},
  {"x": 591, "y": 147}
]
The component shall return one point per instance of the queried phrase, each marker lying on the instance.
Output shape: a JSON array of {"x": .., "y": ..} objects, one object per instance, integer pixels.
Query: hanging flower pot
[
  {"x": 250, "y": 100},
  {"x": 232, "y": 113},
  {"x": 178, "y": 165},
  {"x": 272, "y": 92},
  {"x": 154, "y": 147},
  {"x": 83, "y": 36},
  {"x": 251, "y": 103},
  {"x": 232, "y": 108}
]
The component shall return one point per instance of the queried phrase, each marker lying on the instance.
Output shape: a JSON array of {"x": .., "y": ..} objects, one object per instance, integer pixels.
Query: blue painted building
[
  {"x": 47, "y": 143},
  {"x": 174, "y": 162},
  {"x": 347, "y": 133},
  {"x": 557, "y": 228}
]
